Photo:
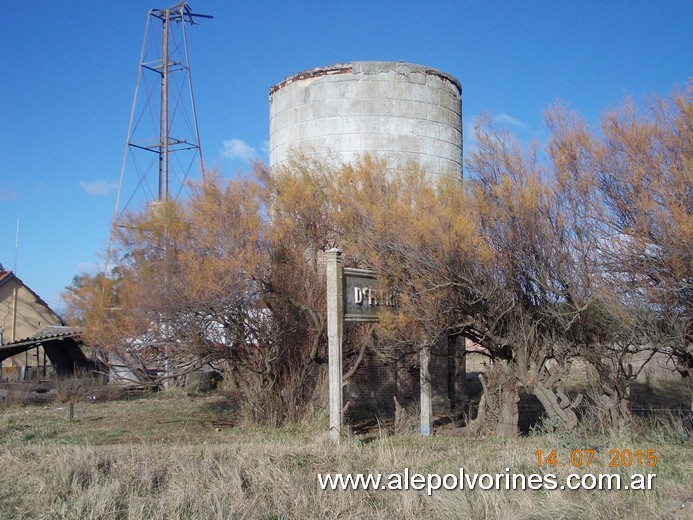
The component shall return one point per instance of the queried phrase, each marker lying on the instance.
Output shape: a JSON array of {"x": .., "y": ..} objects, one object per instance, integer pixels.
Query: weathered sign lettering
[
  {"x": 362, "y": 298},
  {"x": 370, "y": 297}
]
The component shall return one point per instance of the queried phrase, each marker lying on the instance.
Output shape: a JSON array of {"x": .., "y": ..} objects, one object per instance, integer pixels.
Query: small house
[{"x": 34, "y": 341}]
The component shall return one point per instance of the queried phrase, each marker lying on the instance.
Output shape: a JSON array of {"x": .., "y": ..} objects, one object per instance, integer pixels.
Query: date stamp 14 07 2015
[{"x": 588, "y": 457}]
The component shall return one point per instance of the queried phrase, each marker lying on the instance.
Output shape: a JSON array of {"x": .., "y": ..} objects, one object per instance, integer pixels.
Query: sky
[{"x": 68, "y": 72}]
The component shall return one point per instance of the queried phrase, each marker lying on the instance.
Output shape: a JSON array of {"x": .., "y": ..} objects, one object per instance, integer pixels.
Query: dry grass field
[{"x": 170, "y": 455}]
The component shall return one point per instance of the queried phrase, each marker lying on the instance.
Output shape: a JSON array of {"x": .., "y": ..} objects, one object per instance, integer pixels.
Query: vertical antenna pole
[{"x": 16, "y": 249}]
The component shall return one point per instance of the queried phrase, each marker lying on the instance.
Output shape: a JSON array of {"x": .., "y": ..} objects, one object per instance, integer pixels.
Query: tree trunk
[
  {"x": 509, "y": 415},
  {"x": 498, "y": 410},
  {"x": 556, "y": 408},
  {"x": 615, "y": 407},
  {"x": 547, "y": 385}
]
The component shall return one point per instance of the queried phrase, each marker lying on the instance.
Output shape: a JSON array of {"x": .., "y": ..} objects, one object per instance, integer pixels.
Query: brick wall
[{"x": 379, "y": 379}]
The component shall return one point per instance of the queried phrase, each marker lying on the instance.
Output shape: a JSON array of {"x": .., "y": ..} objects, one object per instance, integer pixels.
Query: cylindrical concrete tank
[{"x": 392, "y": 110}]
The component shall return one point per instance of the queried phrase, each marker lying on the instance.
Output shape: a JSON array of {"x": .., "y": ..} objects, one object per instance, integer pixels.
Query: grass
[{"x": 169, "y": 455}]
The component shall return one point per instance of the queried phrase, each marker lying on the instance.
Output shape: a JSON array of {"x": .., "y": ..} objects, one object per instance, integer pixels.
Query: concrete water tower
[{"x": 396, "y": 111}]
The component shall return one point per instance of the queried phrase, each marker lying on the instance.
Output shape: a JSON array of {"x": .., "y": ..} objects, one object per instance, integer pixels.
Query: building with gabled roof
[{"x": 22, "y": 314}]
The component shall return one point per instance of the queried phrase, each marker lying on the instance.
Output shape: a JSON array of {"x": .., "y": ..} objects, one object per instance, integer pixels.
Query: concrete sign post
[
  {"x": 335, "y": 315},
  {"x": 426, "y": 417}
]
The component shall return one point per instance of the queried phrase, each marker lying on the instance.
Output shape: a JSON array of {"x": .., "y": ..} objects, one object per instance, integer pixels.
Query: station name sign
[
  {"x": 361, "y": 296},
  {"x": 355, "y": 295}
]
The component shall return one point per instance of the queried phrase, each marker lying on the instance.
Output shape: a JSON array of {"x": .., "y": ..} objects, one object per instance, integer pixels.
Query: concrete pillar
[
  {"x": 335, "y": 324},
  {"x": 425, "y": 385}
]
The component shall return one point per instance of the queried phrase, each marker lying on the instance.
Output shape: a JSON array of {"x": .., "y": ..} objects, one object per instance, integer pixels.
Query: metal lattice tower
[{"x": 163, "y": 142}]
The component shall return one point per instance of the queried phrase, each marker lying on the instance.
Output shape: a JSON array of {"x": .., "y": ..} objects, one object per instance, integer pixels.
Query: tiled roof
[{"x": 60, "y": 344}]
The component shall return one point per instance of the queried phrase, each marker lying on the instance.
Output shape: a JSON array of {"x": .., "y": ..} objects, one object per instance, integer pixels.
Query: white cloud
[
  {"x": 98, "y": 188},
  {"x": 238, "y": 149},
  {"x": 506, "y": 119}
]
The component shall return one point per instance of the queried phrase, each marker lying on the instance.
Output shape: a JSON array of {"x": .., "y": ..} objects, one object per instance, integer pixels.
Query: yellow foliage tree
[{"x": 582, "y": 249}]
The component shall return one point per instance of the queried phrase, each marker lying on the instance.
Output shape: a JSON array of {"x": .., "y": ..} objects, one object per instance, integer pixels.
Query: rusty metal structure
[{"x": 163, "y": 142}]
